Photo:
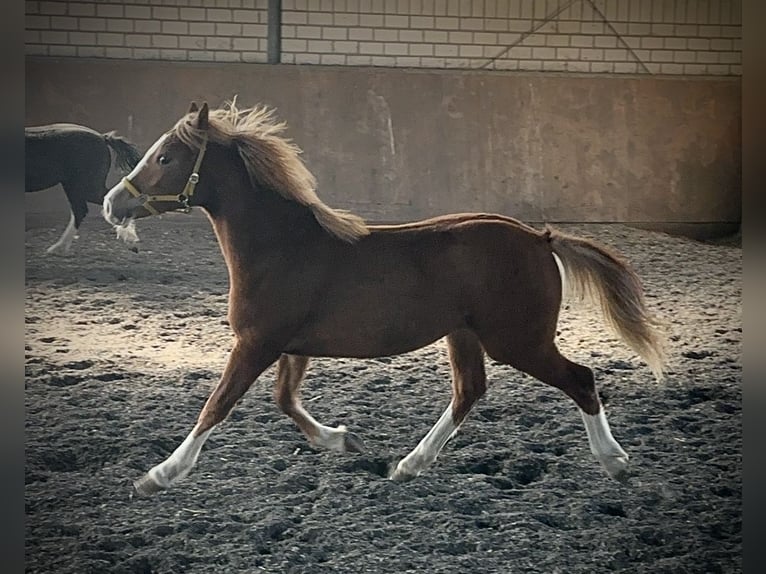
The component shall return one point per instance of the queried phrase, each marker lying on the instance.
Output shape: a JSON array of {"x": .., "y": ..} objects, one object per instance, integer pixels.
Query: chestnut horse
[
  {"x": 308, "y": 280},
  {"x": 78, "y": 158}
]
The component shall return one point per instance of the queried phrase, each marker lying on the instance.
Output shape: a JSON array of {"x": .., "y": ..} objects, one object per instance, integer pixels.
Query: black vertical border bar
[{"x": 274, "y": 40}]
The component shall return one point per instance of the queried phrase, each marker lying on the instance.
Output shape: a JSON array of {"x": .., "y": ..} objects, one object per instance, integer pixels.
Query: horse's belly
[
  {"x": 368, "y": 335},
  {"x": 43, "y": 168}
]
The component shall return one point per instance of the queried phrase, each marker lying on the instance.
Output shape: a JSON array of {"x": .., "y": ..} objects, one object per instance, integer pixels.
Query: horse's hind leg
[
  {"x": 577, "y": 382},
  {"x": 290, "y": 372},
  {"x": 468, "y": 385}
]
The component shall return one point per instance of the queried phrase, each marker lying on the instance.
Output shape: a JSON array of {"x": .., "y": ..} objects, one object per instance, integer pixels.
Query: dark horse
[
  {"x": 78, "y": 158},
  {"x": 307, "y": 280}
]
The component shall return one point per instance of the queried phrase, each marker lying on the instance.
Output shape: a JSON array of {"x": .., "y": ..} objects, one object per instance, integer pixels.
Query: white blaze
[
  {"x": 144, "y": 160},
  {"x": 109, "y": 198}
]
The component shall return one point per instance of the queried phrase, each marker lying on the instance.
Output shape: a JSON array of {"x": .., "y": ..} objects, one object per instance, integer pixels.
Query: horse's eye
[{"x": 163, "y": 159}]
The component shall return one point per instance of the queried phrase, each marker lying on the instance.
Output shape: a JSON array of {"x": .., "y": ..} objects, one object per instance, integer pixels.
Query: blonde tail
[{"x": 595, "y": 272}]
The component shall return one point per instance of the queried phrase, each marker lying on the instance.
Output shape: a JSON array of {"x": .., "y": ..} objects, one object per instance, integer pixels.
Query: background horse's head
[{"x": 166, "y": 178}]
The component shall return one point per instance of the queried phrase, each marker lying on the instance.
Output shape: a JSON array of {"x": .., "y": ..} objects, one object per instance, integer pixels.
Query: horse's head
[
  {"x": 164, "y": 180},
  {"x": 229, "y": 162}
]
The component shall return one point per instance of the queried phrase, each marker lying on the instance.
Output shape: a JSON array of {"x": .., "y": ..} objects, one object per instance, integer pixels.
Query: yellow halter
[{"x": 182, "y": 198}]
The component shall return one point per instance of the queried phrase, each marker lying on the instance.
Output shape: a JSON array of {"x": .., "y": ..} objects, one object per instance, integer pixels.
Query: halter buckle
[{"x": 194, "y": 178}]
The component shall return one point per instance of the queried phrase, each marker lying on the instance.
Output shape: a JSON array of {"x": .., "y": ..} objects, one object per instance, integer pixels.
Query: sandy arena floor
[{"x": 122, "y": 349}]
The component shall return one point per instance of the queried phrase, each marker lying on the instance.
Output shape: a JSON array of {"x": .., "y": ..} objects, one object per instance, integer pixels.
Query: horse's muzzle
[
  {"x": 119, "y": 205},
  {"x": 107, "y": 212}
]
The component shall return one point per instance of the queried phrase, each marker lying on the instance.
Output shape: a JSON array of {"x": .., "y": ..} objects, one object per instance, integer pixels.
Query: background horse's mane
[{"x": 271, "y": 160}]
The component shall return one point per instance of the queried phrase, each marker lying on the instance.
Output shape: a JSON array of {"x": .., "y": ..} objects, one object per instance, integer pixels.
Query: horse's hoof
[
  {"x": 146, "y": 486},
  {"x": 623, "y": 477},
  {"x": 616, "y": 467},
  {"x": 352, "y": 443},
  {"x": 620, "y": 473},
  {"x": 399, "y": 475}
]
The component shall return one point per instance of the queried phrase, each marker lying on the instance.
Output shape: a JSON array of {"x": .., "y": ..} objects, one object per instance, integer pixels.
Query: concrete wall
[
  {"x": 396, "y": 144},
  {"x": 595, "y": 36}
]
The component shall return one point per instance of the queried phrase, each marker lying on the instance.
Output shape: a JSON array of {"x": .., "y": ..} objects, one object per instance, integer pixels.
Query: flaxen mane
[{"x": 272, "y": 161}]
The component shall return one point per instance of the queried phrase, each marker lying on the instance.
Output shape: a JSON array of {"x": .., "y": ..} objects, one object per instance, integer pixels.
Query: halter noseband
[{"x": 182, "y": 198}]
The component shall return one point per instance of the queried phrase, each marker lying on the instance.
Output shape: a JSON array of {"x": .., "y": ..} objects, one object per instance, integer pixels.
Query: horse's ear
[
  {"x": 202, "y": 122},
  {"x": 192, "y": 108}
]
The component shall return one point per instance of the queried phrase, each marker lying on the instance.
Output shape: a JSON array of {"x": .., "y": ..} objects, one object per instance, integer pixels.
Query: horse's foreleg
[
  {"x": 246, "y": 363},
  {"x": 79, "y": 211},
  {"x": 290, "y": 372},
  {"x": 468, "y": 385},
  {"x": 64, "y": 244}
]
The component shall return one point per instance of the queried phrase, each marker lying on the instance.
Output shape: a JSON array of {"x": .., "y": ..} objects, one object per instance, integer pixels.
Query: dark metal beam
[{"x": 274, "y": 41}]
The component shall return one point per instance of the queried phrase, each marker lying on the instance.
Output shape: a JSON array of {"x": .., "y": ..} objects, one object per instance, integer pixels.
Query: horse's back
[
  {"x": 62, "y": 152},
  {"x": 461, "y": 235},
  {"x": 494, "y": 265},
  {"x": 451, "y": 220},
  {"x": 61, "y": 128}
]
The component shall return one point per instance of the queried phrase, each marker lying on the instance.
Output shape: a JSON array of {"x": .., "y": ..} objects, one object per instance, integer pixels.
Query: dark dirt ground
[{"x": 122, "y": 349}]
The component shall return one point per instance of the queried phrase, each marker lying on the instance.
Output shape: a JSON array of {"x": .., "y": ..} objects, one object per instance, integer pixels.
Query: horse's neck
[{"x": 252, "y": 232}]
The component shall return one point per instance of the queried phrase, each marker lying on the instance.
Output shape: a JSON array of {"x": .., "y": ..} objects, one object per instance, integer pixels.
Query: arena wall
[{"x": 610, "y": 110}]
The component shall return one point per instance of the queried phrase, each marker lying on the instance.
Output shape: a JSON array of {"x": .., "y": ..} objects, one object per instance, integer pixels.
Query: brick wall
[
  {"x": 196, "y": 30},
  {"x": 689, "y": 37}
]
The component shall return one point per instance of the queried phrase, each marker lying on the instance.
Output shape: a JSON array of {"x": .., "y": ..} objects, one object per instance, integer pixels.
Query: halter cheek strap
[{"x": 182, "y": 198}]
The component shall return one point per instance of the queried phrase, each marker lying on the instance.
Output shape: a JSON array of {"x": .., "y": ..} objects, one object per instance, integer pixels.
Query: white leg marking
[
  {"x": 327, "y": 437},
  {"x": 423, "y": 455},
  {"x": 603, "y": 445},
  {"x": 180, "y": 463},
  {"x": 65, "y": 241}
]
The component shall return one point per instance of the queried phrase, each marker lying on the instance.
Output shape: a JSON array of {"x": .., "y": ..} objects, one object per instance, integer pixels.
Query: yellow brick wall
[{"x": 676, "y": 37}]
